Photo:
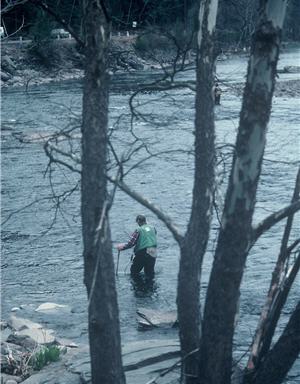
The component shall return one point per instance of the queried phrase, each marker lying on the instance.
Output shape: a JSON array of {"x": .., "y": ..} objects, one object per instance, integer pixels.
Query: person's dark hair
[{"x": 141, "y": 219}]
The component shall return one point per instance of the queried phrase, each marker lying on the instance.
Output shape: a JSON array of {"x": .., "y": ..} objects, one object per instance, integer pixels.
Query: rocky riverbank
[
  {"x": 33, "y": 354},
  {"x": 24, "y": 345},
  {"x": 28, "y": 347},
  {"x": 283, "y": 88},
  {"x": 24, "y": 63}
]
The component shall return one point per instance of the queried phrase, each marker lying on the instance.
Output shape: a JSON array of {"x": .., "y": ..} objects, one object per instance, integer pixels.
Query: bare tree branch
[
  {"x": 292, "y": 246},
  {"x": 152, "y": 207},
  {"x": 16, "y": 31},
  {"x": 273, "y": 219},
  {"x": 11, "y": 5}
]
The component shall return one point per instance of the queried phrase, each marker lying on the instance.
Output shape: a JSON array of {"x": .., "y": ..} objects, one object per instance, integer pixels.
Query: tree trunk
[
  {"x": 283, "y": 355},
  {"x": 194, "y": 245},
  {"x": 104, "y": 334},
  {"x": 235, "y": 234}
]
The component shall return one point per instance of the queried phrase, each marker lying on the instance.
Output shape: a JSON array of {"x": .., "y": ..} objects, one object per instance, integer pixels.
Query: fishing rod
[{"x": 118, "y": 263}]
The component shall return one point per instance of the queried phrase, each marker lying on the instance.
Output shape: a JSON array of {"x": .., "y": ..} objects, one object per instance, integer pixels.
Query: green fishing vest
[{"x": 147, "y": 238}]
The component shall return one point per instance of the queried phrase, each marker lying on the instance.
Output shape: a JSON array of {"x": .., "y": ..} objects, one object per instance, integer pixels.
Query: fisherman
[
  {"x": 217, "y": 94},
  {"x": 144, "y": 241}
]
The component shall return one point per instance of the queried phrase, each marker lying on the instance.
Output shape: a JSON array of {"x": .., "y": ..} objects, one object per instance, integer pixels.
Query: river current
[{"x": 42, "y": 247}]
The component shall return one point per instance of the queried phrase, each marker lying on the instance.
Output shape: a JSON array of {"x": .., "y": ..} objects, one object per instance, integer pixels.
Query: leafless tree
[
  {"x": 99, "y": 277},
  {"x": 236, "y": 232}
]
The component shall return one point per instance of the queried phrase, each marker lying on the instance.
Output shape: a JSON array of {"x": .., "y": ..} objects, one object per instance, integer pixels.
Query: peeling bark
[{"x": 235, "y": 235}]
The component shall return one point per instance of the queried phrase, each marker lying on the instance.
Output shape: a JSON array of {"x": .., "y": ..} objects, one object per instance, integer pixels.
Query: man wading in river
[{"x": 144, "y": 242}]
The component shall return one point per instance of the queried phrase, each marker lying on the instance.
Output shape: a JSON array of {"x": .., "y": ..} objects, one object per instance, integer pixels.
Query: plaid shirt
[{"x": 132, "y": 241}]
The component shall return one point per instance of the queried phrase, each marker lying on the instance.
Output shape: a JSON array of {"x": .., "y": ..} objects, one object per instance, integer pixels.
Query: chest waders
[{"x": 146, "y": 239}]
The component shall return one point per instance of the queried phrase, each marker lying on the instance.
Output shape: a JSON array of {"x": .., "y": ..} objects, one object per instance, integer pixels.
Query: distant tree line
[{"x": 235, "y": 24}]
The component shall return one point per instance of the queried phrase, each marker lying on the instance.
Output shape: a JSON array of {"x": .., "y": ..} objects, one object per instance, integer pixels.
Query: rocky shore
[
  {"x": 26, "y": 344},
  {"x": 33, "y": 354},
  {"x": 24, "y": 63},
  {"x": 30, "y": 351}
]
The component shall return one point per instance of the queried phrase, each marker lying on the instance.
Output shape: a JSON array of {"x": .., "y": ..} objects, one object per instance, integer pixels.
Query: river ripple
[{"x": 40, "y": 265}]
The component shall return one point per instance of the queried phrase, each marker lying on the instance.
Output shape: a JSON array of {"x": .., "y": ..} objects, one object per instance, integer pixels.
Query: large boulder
[
  {"x": 23, "y": 341},
  {"x": 5, "y": 76},
  {"x": 28, "y": 333},
  {"x": 38, "y": 335},
  {"x": 18, "y": 323},
  {"x": 7, "y": 65}
]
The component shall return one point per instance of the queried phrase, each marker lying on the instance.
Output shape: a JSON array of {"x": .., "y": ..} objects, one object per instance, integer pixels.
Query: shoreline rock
[
  {"x": 143, "y": 360},
  {"x": 24, "y": 64},
  {"x": 23, "y": 339}
]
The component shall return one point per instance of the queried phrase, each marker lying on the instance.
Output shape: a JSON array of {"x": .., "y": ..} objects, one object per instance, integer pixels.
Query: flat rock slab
[
  {"x": 54, "y": 373},
  {"x": 141, "y": 354},
  {"x": 143, "y": 361},
  {"x": 150, "y": 372},
  {"x": 147, "y": 359},
  {"x": 149, "y": 318},
  {"x": 18, "y": 324}
]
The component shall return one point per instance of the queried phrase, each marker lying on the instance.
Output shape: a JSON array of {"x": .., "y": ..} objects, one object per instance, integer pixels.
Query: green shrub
[
  {"x": 53, "y": 353},
  {"x": 44, "y": 356}
]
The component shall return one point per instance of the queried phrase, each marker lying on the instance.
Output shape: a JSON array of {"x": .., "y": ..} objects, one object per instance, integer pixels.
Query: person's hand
[{"x": 119, "y": 247}]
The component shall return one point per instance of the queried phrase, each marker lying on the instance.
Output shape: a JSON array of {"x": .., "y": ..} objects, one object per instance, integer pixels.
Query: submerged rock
[{"x": 52, "y": 307}]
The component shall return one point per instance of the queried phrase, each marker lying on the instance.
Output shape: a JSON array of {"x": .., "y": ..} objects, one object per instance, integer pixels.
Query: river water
[{"x": 41, "y": 247}]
